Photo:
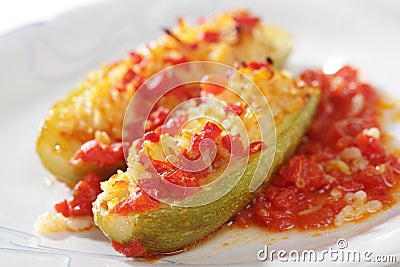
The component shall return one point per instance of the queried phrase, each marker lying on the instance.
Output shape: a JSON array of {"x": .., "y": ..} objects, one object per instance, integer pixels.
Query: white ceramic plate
[{"x": 41, "y": 62}]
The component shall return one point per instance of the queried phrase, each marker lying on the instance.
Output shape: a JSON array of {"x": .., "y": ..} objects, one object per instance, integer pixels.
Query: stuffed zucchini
[
  {"x": 83, "y": 131},
  {"x": 138, "y": 223}
]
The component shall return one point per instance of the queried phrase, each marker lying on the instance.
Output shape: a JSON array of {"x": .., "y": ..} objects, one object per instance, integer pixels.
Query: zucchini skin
[{"x": 172, "y": 228}]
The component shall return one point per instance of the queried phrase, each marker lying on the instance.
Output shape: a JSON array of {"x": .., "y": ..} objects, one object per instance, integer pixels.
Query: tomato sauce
[
  {"x": 341, "y": 153},
  {"x": 134, "y": 248}
]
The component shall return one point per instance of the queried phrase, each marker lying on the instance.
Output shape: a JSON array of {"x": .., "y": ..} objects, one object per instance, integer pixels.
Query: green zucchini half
[{"x": 171, "y": 228}]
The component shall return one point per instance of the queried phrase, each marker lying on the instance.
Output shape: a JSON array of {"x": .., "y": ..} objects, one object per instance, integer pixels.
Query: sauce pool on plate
[{"x": 341, "y": 172}]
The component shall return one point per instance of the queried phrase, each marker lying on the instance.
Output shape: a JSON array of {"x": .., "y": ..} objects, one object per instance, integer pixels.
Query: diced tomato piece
[
  {"x": 344, "y": 142},
  {"x": 256, "y": 147},
  {"x": 350, "y": 184},
  {"x": 212, "y": 88},
  {"x": 157, "y": 118},
  {"x": 176, "y": 61},
  {"x": 285, "y": 199},
  {"x": 102, "y": 156},
  {"x": 233, "y": 144},
  {"x": 83, "y": 195},
  {"x": 315, "y": 78},
  {"x": 152, "y": 136},
  {"x": 62, "y": 207},
  {"x": 237, "y": 109},
  {"x": 171, "y": 174},
  {"x": 226, "y": 142},
  {"x": 245, "y": 20},
  {"x": 211, "y": 131},
  {"x": 303, "y": 173},
  {"x": 347, "y": 73},
  {"x": 371, "y": 148},
  {"x": 161, "y": 166},
  {"x": 211, "y": 36},
  {"x": 136, "y": 57},
  {"x": 129, "y": 76},
  {"x": 181, "y": 178},
  {"x": 256, "y": 65},
  {"x": 138, "y": 202}
]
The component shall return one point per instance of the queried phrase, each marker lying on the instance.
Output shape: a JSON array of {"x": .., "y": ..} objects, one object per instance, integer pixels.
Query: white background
[{"x": 17, "y": 13}]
